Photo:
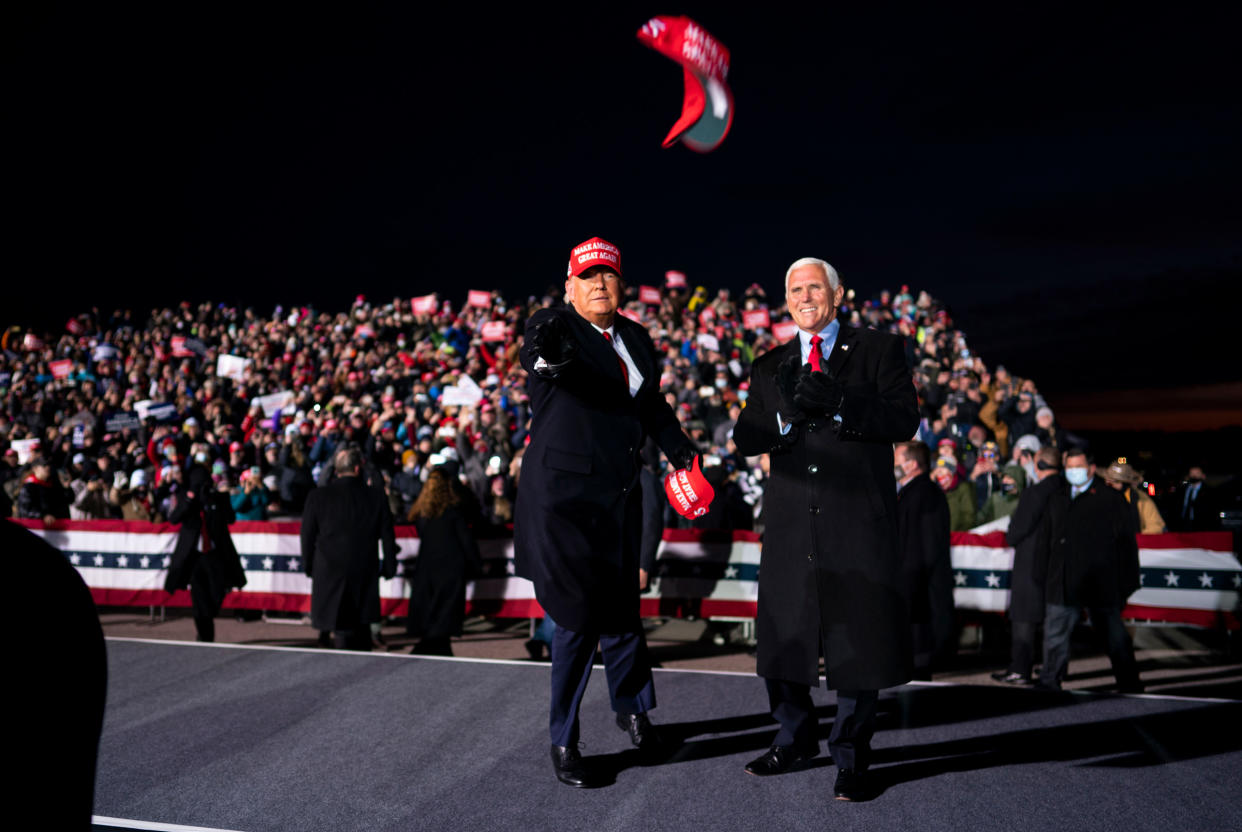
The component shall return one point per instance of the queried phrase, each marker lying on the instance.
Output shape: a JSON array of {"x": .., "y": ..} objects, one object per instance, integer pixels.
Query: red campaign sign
[
  {"x": 495, "y": 331},
  {"x": 32, "y": 342},
  {"x": 633, "y": 316},
  {"x": 675, "y": 280},
  {"x": 60, "y": 369},
  {"x": 784, "y": 330},
  {"x": 756, "y": 319},
  {"x": 74, "y": 326},
  {"x": 426, "y": 305},
  {"x": 478, "y": 297},
  {"x": 178, "y": 347},
  {"x": 649, "y": 294}
]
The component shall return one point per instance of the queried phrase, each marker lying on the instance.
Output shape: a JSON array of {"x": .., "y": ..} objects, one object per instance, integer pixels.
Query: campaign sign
[
  {"x": 426, "y": 305},
  {"x": 495, "y": 331},
  {"x": 710, "y": 342},
  {"x": 675, "y": 280},
  {"x": 120, "y": 421},
  {"x": 61, "y": 368},
  {"x": 479, "y": 297},
  {"x": 232, "y": 366},
  {"x": 784, "y": 330},
  {"x": 649, "y": 294},
  {"x": 179, "y": 349},
  {"x": 756, "y": 319},
  {"x": 273, "y": 403}
]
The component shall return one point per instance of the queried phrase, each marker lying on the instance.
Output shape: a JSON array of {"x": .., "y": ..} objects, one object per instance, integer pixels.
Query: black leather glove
[
  {"x": 683, "y": 457},
  {"x": 554, "y": 343},
  {"x": 787, "y": 375},
  {"x": 818, "y": 393}
]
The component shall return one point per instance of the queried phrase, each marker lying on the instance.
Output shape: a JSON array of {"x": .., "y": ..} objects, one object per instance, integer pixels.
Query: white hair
[{"x": 834, "y": 280}]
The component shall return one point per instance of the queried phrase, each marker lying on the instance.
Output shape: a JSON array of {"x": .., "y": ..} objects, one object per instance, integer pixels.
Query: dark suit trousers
[
  {"x": 626, "y": 664},
  {"x": 850, "y": 740}
]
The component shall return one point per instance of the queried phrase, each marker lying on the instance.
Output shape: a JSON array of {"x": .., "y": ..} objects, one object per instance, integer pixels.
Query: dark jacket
[
  {"x": 448, "y": 556},
  {"x": 38, "y": 499},
  {"x": 341, "y": 525},
  {"x": 221, "y": 558},
  {"x": 578, "y": 518},
  {"x": 831, "y": 569},
  {"x": 926, "y": 568},
  {"x": 1028, "y": 535},
  {"x": 1092, "y": 552}
]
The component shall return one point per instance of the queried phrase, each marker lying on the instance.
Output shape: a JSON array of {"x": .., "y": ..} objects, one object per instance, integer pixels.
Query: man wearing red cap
[
  {"x": 827, "y": 406},
  {"x": 593, "y": 383}
]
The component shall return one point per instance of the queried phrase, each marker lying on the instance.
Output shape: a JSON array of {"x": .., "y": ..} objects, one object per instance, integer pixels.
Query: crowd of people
[{"x": 106, "y": 419}]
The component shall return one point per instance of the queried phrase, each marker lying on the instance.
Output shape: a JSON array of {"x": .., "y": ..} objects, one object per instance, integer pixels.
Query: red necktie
[
  {"x": 202, "y": 517},
  {"x": 815, "y": 355},
  {"x": 625, "y": 371}
]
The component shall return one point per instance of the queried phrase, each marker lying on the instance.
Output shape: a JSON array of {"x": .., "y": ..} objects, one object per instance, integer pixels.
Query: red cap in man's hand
[{"x": 689, "y": 492}]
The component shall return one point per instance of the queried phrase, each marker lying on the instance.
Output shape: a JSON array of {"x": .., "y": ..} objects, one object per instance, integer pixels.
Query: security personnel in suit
[
  {"x": 828, "y": 407},
  {"x": 593, "y": 382},
  {"x": 341, "y": 525}
]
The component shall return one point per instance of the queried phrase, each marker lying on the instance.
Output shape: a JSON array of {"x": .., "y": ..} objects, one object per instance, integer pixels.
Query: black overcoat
[
  {"x": 830, "y": 566},
  {"x": 447, "y": 556},
  {"x": 341, "y": 526},
  {"x": 578, "y": 518},
  {"x": 1092, "y": 550},
  {"x": 222, "y": 557},
  {"x": 926, "y": 567},
  {"x": 1028, "y": 535}
]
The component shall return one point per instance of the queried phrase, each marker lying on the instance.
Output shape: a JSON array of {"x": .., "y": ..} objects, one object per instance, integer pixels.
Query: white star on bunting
[
  {"x": 1205, "y": 581},
  {"x": 122, "y": 561},
  {"x": 731, "y": 572},
  {"x": 294, "y": 564},
  {"x": 245, "y": 562},
  {"x": 99, "y": 560},
  {"x": 167, "y": 561},
  {"x": 144, "y": 561},
  {"x": 1237, "y": 581},
  {"x": 75, "y": 559},
  {"x": 1170, "y": 579},
  {"x": 959, "y": 578},
  {"x": 268, "y": 563},
  {"x": 993, "y": 580},
  {"x": 1142, "y": 579}
]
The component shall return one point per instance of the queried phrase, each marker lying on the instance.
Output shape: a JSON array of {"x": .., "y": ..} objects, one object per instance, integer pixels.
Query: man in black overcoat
[
  {"x": 593, "y": 383},
  {"x": 204, "y": 557},
  {"x": 341, "y": 526},
  {"x": 828, "y": 407},
  {"x": 927, "y": 569},
  {"x": 1028, "y": 535},
  {"x": 1092, "y": 562}
]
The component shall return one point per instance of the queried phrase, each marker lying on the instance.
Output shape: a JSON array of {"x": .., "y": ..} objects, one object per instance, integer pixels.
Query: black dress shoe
[
  {"x": 534, "y": 648},
  {"x": 569, "y": 767},
  {"x": 642, "y": 733},
  {"x": 779, "y": 759},
  {"x": 851, "y": 785}
]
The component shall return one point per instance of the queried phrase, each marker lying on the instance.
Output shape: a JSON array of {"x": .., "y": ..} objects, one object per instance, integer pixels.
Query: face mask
[
  {"x": 200, "y": 457},
  {"x": 721, "y": 383},
  {"x": 1076, "y": 476},
  {"x": 1031, "y": 471},
  {"x": 742, "y": 394},
  {"x": 1008, "y": 487}
]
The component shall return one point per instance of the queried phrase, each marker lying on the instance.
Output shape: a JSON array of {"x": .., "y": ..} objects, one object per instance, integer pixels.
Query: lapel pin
[{"x": 844, "y": 347}]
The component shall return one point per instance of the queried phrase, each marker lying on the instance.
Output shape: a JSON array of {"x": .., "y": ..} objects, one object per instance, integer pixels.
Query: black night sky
[{"x": 1067, "y": 178}]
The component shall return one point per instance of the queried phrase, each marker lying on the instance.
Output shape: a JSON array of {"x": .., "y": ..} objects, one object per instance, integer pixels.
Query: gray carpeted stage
[{"x": 259, "y": 739}]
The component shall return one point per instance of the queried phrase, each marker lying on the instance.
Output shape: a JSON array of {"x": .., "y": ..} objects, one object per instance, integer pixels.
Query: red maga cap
[
  {"x": 688, "y": 491},
  {"x": 594, "y": 252}
]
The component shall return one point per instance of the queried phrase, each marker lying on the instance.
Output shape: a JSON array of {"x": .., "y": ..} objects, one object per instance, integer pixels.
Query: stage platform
[{"x": 263, "y": 739}]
